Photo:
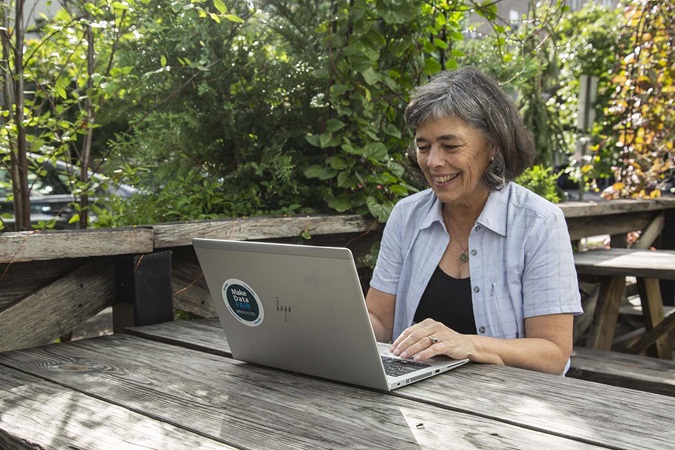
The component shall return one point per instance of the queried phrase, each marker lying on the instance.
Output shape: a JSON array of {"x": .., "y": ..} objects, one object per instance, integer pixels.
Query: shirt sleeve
[
  {"x": 550, "y": 284},
  {"x": 387, "y": 272}
]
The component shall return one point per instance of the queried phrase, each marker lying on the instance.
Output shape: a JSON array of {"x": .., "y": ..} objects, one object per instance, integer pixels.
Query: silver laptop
[{"x": 301, "y": 308}]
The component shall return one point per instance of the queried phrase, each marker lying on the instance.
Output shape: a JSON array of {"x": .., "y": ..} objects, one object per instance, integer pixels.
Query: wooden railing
[{"x": 51, "y": 281}]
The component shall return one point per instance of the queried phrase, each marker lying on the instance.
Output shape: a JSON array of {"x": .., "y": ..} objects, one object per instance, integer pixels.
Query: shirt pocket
[{"x": 504, "y": 304}]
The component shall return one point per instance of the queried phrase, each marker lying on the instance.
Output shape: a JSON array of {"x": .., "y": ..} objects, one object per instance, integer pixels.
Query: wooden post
[
  {"x": 606, "y": 312},
  {"x": 143, "y": 290},
  {"x": 652, "y": 310},
  {"x": 668, "y": 243}
]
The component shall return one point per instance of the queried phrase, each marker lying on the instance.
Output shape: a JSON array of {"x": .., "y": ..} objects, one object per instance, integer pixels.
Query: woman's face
[{"x": 454, "y": 157}]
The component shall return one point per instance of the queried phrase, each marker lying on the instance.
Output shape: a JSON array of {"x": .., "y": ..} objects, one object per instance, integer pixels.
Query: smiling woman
[{"x": 476, "y": 267}]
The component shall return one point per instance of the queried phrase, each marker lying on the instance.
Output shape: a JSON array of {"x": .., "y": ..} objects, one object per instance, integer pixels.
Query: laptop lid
[{"x": 295, "y": 307}]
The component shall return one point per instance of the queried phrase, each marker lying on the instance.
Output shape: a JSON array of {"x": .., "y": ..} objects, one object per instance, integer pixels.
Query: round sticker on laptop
[{"x": 242, "y": 302}]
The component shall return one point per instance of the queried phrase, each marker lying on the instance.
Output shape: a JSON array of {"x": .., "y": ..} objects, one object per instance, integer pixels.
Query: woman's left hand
[{"x": 430, "y": 338}]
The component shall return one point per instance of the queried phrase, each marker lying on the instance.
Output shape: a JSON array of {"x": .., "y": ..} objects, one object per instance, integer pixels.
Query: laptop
[{"x": 301, "y": 308}]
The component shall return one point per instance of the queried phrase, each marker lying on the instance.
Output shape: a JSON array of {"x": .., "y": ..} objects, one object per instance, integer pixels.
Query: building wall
[{"x": 513, "y": 11}]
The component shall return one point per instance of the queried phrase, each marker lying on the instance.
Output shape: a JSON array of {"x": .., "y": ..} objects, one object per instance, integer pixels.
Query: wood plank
[
  {"x": 43, "y": 245},
  {"x": 652, "y": 306},
  {"x": 39, "y": 414},
  {"x": 665, "y": 326},
  {"x": 190, "y": 291},
  {"x": 651, "y": 232},
  {"x": 248, "y": 406},
  {"x": 55, "y": 310},
  {"x": 627, "y": 262},
  {"x": 262, "y": 227},
  {"x": 20, "y": 279},
  {"x": 606, "y": 312},
  {"x": 577, "y": 409},
  {"x": 584, "y": 226},
  {"x": 603, "y": 208},
  {"x": 620, "y": 369}
]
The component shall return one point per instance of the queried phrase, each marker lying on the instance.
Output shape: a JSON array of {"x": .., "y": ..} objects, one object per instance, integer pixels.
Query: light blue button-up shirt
[{"x": 521, "y": 260}]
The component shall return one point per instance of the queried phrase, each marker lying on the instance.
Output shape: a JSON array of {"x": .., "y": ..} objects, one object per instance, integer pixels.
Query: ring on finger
[{"x": 434, "y": 340}]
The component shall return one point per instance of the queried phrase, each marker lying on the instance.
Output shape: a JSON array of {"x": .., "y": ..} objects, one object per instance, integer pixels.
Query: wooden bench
[
  {"x": 624, "y": 370},
  {"x": 612, "y": 266}
]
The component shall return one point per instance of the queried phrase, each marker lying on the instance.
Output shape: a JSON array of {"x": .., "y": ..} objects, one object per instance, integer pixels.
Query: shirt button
[
  {"x": 474, "y": 252},
  {"x": 481, "y": 330},
  {"x": 476, "y": 289},
  {"x": 477, "y": 228}
]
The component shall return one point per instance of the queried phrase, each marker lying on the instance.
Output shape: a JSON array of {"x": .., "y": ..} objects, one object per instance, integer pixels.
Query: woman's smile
[
  {"x": 443, "y": 179},
  {"x": 453, "y": 157}
]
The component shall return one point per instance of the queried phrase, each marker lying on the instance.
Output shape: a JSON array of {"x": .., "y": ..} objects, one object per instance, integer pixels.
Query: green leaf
[
  {"x": 351, "y": 150},
  {"x": 439, "y": 43},
  {"x": 162, "y": 61},
  {"x": 313, "y": 140},
  {"x": 332, "y": 125},
  {"x": 376, "y": 151},
  {"x": 380, "y": 211},
  {"x": 456, "y": 36},
  {"x": 344, "y": 180},
  {"x": 320, "y": 172},
  {"x": 233, "y": 18},
  {"x": 325, "y": 139},
  {"x": 431, "y": 66},
  {"x": 336, "y": 162},
  {"x": 371, "y": 76},
  {"x": 451, "y": 64},
  {"x": 399, "y": 189},
  {"x": 392, "y": 131},
  {"x": 340, "y": 204},
  {"x": 338, "y": 89},
  {"x": 220, "y": 6}
]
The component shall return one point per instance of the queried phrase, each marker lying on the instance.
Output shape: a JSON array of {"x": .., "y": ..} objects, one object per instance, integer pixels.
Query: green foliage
[
  {"x": 638, "y": 134},
  {"x": 587, "y": 45},
  {"x": 70, "y": 71},
  {"x": 309, "y": 120},
  {"x": 239, "y": 108},
  {"x": 542, "y": 181}
]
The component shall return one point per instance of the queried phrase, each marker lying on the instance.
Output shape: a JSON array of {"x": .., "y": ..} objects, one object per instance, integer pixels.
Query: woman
[{"x": 476, "y": 267}]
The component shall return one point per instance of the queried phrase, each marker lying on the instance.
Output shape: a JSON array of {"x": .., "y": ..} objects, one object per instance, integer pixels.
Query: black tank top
[{"x": 448, "y": 300}]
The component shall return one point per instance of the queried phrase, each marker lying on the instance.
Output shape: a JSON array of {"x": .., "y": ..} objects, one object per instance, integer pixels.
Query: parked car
[{"x": 51, "y": 198}]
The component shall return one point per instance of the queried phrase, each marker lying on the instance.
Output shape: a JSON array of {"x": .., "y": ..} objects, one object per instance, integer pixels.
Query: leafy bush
[{"x": 542, "y": 181}]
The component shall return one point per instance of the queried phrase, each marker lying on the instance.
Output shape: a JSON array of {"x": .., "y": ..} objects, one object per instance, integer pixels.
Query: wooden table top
[
  {"x": 627, "y": 262},
  {"x": 175, "y": 386}
]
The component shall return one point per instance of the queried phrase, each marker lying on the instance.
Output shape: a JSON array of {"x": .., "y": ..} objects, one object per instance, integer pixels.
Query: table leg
[
  {"x": 611, "y": 294},
  {"x": 652, "y": 312}
]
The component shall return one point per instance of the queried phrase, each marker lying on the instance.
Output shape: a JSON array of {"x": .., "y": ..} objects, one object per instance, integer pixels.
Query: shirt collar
[
  {"x": 492, "y": 217},
  {"x": 434, "y": 213},
  {"x": 494, "y": 212}
]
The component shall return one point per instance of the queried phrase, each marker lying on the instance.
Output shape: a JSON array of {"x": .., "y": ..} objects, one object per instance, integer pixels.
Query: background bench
[{"x": 625, "y": 370}]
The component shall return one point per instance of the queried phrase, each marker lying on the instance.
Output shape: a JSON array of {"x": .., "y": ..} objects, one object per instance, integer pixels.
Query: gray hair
[{"x": 478, "y": 100}]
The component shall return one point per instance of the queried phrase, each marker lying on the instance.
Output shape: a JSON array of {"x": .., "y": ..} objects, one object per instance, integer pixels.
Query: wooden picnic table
[
  {"x": 649, "y": 267},
  {"x": 175, "y": 386}
]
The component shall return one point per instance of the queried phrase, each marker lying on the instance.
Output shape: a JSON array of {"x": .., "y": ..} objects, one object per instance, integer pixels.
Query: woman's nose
[{"x": 435, "y": 158}]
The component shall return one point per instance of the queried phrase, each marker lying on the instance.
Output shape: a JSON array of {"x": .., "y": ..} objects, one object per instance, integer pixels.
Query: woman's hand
[
  {"x": 546, "y": 347},
  {"x": 430, "y": 338}
]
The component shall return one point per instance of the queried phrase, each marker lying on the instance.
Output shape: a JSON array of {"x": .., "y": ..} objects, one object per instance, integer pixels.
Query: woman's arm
[
  {"x": 381, "y": 310},
  {"x": 546, "y": 347}
]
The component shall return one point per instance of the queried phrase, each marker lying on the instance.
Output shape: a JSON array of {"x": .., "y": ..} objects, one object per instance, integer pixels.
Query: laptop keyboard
[{"x": 396, "y": 367}]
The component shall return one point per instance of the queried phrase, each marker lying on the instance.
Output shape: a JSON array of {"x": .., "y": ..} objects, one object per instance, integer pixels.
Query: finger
[{"x": 418, "y": 341}]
